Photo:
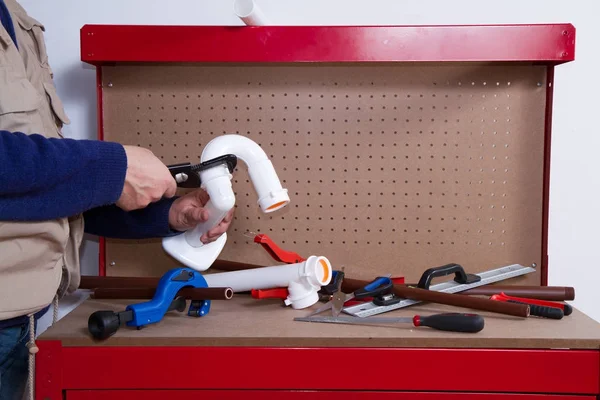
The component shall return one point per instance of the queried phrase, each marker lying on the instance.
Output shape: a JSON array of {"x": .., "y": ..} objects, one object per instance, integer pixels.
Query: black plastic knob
[{"x": 103, "y": 324}]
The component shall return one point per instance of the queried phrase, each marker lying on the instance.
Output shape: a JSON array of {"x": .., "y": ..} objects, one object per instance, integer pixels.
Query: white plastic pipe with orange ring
[
  {"x": 303, "y": 280},
  {"x": 187, "y": 247}
]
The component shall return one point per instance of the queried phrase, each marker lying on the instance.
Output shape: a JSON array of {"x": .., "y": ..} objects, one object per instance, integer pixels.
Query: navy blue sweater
[
  {"x": 7, "y": 22},
  {"x": 45, "y": 178}
]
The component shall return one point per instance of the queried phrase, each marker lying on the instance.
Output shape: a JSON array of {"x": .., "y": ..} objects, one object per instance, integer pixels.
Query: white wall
[{"x": 575, "y": 188}]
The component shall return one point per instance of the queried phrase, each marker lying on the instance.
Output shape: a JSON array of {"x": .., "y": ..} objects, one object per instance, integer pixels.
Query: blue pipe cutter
[{"x": 103, "y": 324}]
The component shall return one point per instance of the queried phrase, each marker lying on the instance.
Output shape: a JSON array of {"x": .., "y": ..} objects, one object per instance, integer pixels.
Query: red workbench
[
  {"x": 403, "y": 147},
  {"x": 253, "y": 349}
]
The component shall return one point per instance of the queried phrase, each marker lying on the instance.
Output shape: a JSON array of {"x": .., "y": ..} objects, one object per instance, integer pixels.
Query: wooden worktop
[{"x": 244, "y": 321}]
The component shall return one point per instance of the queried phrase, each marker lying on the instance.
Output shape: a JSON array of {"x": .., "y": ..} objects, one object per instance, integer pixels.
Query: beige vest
[{"x": 37, "y": 259}]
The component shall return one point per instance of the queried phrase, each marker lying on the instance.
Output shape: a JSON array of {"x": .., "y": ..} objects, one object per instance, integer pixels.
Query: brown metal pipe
[
  {"x": 94, "y": 282},
  {"x": 148, "y": 293},
  {"x": 518, "y": 310},
  {"x": 551, "y": 293}
]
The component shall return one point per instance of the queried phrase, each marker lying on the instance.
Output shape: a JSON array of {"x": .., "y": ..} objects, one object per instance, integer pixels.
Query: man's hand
[
  {"x": 147, "y": 180},
  {"x": 188, "y": 211}
]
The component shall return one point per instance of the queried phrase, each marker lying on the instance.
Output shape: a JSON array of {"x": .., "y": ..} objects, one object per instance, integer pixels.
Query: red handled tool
[
  {"x": 539, "y": 308},
  {"x": 278, "y": 254},
  {"x": 453, "y": 322},
  {"x": 290, "y": 257}
]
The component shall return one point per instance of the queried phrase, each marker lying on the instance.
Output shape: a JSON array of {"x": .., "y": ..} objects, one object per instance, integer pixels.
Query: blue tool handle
[
  {"x": 153, "y": 311},
  {"x": 378, "y": 287}
]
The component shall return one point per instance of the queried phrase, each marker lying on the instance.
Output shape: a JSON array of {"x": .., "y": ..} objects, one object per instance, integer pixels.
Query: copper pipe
[
  {"x": 148, "y": 293},
  {"x": 518, "y": 310},
  {"x": 94, "y": 282},
  {"x": 551, "y": 293}
]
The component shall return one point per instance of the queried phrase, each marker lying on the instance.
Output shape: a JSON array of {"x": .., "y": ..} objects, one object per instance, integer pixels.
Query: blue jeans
[{"x": 14, "y": 356}]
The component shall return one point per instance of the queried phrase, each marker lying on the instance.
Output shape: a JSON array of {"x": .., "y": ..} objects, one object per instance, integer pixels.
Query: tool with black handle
[
  {"x": 105, "y": 323},
  {"x": 538, "y": 308},
  {"x": 378, "y": 287},
  {"x": 461, "y": 282},
  {"x": 453, "y": 322},
  {"x": 187, "y": 175},
  {"x": 542, "y": 311}
]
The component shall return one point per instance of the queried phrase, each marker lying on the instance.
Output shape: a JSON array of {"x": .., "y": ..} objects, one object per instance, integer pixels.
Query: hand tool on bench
[
  {"x": 378, "y": 287},
  {"x": 539, "y": 308},
  {"x": 276, "y": 252},
  {"x": 424, "y": 295},
  {"x": 103, "y": 324},
  {"x": 454, "y": 322},
  {"x": 290, "y": 257},
  {"x": 462, "y": 281}
]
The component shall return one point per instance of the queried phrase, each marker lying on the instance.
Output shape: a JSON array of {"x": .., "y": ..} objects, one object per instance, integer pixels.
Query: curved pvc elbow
[{"x": 271, "y": 195}]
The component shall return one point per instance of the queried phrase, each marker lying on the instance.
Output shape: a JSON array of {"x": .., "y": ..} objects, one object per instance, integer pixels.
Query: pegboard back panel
[{"x": 391, "y": 168}]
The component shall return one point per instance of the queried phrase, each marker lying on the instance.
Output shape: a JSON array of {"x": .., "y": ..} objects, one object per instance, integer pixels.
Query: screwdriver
[{"x": 454, "y": 322}]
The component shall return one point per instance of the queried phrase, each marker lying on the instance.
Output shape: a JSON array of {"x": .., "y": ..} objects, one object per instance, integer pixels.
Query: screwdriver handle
[{"x": 455, "y": 322}]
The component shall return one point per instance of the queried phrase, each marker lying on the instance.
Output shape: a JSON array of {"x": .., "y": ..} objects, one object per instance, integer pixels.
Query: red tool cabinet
[{"x": 403, "y": 147}]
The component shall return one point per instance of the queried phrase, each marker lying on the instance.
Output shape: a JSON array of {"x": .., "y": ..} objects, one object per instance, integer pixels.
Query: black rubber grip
[
  {"x": 460, "y": 275},
  {"x": 568, "y": 309},
  {"x": 542, "y": 311},
  {"x": 454, "y": 322},
  {"x": 103, "y": 324}
]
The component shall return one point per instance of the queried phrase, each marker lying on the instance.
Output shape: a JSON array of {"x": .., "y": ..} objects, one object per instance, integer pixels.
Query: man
[{"x": 53, "y": 189}]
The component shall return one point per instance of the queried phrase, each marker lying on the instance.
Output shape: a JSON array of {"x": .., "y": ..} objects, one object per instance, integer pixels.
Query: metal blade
[
  {"x": 322, "y": 308},
  {"x": 356, "y": 320},
  {"x": 338, "y": 299},
  {"x": 337, "y": 303}
]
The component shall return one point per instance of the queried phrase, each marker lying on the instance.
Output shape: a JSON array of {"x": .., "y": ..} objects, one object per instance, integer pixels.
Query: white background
[{"x": 575, "y": 188}]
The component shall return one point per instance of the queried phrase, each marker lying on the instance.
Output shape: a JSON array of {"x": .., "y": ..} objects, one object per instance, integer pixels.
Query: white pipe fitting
[
  {"x": 187, "y": 248},
  {"x": 303, "y": 280},
  {"x": 271, "y": 195},
  {"x": 249, "y": 12}
]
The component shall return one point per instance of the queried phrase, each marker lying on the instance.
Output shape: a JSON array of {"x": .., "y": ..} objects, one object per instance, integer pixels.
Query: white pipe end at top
[{"x": 249, "y": 12}]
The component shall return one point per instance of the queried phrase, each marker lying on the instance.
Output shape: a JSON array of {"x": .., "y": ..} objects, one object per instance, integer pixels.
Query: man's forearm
[
  {"x": 113, "y": 222},
  {"x": 45, "y": 178}
]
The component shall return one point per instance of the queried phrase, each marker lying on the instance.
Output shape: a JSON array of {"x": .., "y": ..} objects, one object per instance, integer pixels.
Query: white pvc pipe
[
  {"x": 187, "y": 247},
  {"x": 271, "y": 195},
  {"x": 249, "y": 12},
  {"x": 303, "y": 280}
]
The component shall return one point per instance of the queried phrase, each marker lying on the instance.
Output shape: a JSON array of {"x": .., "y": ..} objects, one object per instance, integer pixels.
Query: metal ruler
[{"x": 495, "y": 275}]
